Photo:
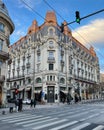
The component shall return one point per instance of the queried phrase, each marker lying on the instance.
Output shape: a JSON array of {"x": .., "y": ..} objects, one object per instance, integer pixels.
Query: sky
[{"x": 90, "y": 31}]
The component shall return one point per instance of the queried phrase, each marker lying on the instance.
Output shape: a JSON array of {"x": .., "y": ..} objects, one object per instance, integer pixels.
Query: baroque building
[
  {"x": 6, "y": 28},
  {"x": 53, "y": 62}
]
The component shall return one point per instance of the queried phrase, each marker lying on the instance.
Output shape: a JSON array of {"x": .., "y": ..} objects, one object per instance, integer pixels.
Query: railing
[{"x": 4, "y": 55}]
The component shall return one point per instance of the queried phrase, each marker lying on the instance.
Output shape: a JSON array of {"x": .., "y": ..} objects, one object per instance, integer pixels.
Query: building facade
[
  {"x": 53, "y": 62},
  {"x": 6, "y": 28}
]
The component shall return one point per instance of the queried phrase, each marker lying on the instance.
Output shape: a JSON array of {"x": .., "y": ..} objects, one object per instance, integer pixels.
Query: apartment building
[
  {"x": 53, "y": 62},
  {"x": 6, "y": 28}
]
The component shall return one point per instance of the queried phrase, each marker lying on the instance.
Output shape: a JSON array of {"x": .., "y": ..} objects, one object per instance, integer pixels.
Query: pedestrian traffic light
[
  {"x": 62, "y": 27},
  {"x": 16, "y": 91},
  {"x": 77, "y": 17}
]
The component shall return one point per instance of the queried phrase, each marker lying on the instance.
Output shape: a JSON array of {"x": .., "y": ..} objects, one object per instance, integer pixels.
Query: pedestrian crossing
[{"x": 39, "y": 121}]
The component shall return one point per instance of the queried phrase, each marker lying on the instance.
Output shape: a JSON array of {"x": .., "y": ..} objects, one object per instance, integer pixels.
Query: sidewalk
[{"x": 27, "y": 107}]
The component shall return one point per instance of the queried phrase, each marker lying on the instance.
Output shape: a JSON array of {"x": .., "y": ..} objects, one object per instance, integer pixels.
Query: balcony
[
  {"x": 4, "y": 55},
  {"x": 2, "y": 78},
  {"x": 28, "y": 65},
  {"x": 51, "y": 60},
  {"x": 38, "y": 52},
  {"x": 62, "y": 62},
  {"x": 62, "y": 52},
  {"x": 23, "y": 67}
]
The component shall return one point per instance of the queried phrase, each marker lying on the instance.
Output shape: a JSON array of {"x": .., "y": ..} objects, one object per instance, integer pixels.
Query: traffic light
[
  {"x": 16, "y": 91},
  {"x": 77, "y": 17},
  {"x": 62, "y": 27}
]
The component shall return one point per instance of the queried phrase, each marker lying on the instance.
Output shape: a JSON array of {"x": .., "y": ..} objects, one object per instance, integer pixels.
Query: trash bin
[{"x": 11, "y": 109}]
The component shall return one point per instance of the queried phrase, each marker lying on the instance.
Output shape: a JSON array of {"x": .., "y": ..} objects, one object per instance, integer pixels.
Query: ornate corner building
[
  {"x": 54, "y": 62},
  {"x": 6, "y": 28}
]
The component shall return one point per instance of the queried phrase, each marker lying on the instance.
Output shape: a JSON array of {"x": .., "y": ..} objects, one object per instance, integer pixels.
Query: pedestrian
[
  {"x": 34, "y": 102},
  {"x": 31, "y": 103},
  {"x": 16, "y": 105}
]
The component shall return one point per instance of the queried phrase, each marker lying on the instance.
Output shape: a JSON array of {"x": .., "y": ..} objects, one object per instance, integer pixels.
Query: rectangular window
[
  {"x": 38, "y": 58},
  {"x": 1, "y": 27},
  {"x": 47, "y": 78},
  {"x": 50, "y": 78},
  {"x": 1, "y": 44},
  {"x": 51, "y": 54},
  {"x": 51, "y": 66}
]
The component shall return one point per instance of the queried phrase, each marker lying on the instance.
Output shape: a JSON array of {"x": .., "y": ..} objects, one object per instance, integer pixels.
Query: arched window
[
  {"x": 38, "y": 80},
  {"x": 62, "y": 80}
]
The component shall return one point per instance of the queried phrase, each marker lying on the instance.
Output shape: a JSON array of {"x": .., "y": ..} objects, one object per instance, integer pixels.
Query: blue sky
[{"x": 90, "y": 31}]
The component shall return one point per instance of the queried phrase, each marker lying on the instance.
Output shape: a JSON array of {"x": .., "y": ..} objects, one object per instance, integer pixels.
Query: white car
[{"x": 26, "y": 101}]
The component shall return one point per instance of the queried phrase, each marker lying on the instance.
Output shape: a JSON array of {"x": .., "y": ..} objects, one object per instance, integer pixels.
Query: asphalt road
[{"x": 60, "y": 117}]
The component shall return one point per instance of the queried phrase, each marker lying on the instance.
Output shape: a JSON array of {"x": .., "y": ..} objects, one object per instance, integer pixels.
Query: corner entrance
[{"x": 50, "y": 94}]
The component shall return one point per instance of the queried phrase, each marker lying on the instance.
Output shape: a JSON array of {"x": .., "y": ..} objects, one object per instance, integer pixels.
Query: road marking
[
  {"x": 23, "y": 119},
  {"x": 29, "y": 121},
  {"x": 35, "y": 123},
  {"x": 18, "y": 118},
  {"x": 100, "y": 127},
  {"x": 83, "y": 119},
  {"x": 81, "y": 126},
  {"x": 49, "y": 124},
  {"x": 65, "y": 125}
]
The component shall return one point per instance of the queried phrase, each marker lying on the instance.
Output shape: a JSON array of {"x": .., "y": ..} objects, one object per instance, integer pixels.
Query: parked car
[{"x": 26, "y": 101}]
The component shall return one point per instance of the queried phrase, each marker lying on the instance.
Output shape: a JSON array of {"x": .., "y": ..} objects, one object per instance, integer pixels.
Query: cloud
[{"x": 93, "y": 33}]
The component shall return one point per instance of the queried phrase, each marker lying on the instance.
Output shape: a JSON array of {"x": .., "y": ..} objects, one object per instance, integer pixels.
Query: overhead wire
[
  {"x": 60, "y": 17},
  {"x": 71, "y": 26}
]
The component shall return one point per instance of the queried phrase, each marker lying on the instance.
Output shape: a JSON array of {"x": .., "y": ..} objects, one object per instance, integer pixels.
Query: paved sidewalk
[{"x": 27, "y": 107}]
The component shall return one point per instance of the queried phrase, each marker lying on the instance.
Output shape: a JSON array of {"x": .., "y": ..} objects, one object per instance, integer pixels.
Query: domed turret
[{"x": 5, "y": 15}]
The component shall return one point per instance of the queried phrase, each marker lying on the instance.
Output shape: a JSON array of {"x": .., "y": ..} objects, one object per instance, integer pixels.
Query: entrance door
[{"x": 50, "y": 94}]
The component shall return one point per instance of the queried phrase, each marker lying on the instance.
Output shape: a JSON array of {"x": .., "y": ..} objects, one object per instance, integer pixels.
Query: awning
[
  {"x": 64, "y": 91},
  {"x": 13, "y": 90},
  {"x": 20, "y": 89},
  {"x": 37, "y": 91},
  {"x": 27, "y": 89}
]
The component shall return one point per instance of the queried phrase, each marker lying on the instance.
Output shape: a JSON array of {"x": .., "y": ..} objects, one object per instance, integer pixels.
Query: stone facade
[
  {"x": 53, "y": 62},
  {"x": 6, "y": 28}
]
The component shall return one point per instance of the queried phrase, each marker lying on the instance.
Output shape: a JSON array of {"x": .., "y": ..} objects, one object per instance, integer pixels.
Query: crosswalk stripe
[
  {"x": 23, "y": 119},
  {"x": 11, "y": 116},
  {"x": 18, "y": 118},
  {"x": 100, "y": 127},
  {"x": 35, "y": 121},
  {"x": 65, "y": 125},
  {"x": 83, "y": 119},
  {"x": 30, "y": 121},
  {"x": 81, "y": 126},
  {"x": 49, "y": 124}
]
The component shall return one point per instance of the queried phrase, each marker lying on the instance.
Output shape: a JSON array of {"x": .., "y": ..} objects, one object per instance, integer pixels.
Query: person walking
[
  {"x": 31, "y": 104},
  {"x": 34, "y": 102}
]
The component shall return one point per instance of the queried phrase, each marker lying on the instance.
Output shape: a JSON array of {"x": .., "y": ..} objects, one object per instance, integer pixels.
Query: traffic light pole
[{"x": 86, "y": 16}]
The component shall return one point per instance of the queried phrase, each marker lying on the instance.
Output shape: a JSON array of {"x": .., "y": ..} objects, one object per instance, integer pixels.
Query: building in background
[
  {"x": 101, "y": 85},
  {"x": 6, "y": 28},
  {"x": 51, "y": 63}
]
